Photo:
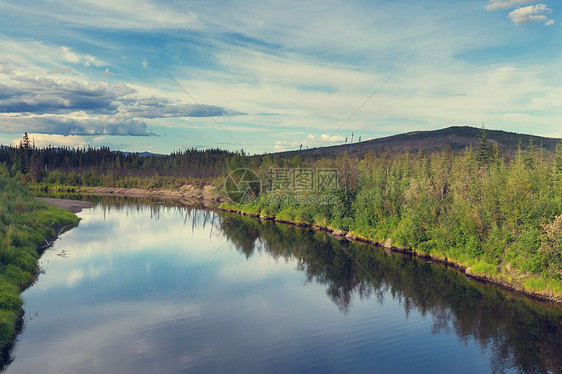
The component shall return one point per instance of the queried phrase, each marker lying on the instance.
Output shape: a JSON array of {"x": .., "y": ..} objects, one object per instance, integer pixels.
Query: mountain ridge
[{"x": 454, "y": 138}]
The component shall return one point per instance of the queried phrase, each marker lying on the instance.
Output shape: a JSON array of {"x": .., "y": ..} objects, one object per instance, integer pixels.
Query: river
[{"x": 144, "y": 287}]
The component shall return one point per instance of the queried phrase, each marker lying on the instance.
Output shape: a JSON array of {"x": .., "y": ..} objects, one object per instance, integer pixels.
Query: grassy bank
[
  {"x": 25, "y": 224},
  {"x": 498, "y": 217},
  {"x": 534, "y": 285}
]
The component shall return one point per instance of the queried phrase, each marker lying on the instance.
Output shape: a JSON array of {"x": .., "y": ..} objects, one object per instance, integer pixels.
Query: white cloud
[
  {"x": 111, "y": 14},
  {"x": 507, "y": 4},
  {"x": 44, "y": 140},
  {"x": 550, "y": 22},
  {"x": 291, "y": 144},
  {"x": 286, "y": 145},
  {"x": 333, "y": 138},
  {"x": 86, "y": 59},
  {"x": 530, "y": 14}
]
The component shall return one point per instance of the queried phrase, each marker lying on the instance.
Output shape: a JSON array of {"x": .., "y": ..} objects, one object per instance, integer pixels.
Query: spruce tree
[{"x": 484, "y": 152}]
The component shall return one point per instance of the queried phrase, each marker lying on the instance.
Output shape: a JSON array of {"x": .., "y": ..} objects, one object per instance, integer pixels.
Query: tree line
[{"x": 28, "y": 163}]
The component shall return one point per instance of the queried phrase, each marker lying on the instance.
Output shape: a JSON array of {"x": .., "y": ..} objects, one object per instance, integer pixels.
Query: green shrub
[{"x": 551, "y": 248}]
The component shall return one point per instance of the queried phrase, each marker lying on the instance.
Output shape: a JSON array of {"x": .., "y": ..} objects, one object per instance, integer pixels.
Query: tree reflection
[{"x": 520, "y": 333}]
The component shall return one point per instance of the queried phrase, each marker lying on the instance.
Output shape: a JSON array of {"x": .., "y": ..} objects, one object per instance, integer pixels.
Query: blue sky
[{"x": 270, "y": 76}]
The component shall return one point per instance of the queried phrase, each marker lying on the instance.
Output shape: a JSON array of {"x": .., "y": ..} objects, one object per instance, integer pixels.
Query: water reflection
[
  {"x": 521, "y": 333},
  {"x": 151, "y": 285}
]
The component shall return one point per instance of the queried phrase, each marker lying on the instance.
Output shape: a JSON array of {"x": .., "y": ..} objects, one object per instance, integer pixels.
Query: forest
[{"x": 101, "y": 166}]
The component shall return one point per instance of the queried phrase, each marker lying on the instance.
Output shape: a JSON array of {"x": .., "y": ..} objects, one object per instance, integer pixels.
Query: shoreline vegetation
[
  {"x": 27, "y": 227},
  {"x": 387, "y": 245},
  {"x": 496, "y": 218},
  {"x": 492, "y": 211}
]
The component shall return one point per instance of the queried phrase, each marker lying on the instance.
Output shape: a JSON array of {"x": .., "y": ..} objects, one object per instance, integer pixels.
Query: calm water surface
[{"x": 148, "y": 288}]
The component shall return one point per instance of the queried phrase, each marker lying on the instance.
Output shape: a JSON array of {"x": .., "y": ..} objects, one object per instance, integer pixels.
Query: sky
[{"x": 267, "y": 76}]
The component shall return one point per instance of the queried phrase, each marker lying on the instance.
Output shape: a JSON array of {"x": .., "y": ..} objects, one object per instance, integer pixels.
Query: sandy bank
[
  {"x": 204, "y": 195},
  {"x": 75, "y": 206}
]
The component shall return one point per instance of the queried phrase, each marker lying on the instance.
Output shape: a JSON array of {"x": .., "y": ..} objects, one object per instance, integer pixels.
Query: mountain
[{"x": 455, "y": 138}]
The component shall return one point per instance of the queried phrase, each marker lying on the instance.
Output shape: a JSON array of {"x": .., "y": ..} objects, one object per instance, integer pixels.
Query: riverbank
[
  {"x": 74, "y": 206},
  {"x": 27, "y": 225},
  {"x": 513, "y": 281},
  {"x": 187, "y": 193}
]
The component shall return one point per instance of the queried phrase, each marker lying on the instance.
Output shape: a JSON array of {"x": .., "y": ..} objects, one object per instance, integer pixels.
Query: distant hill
[
  {"x": 455, "y": 138},
  {"x": 145, "y": 154}
]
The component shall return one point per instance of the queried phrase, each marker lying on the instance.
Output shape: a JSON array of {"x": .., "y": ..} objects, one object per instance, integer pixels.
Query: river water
[{"x": 144, "y": 287}]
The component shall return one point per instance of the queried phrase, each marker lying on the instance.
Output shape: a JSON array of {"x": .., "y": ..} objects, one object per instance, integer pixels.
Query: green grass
[
  {"x": 541, "y": 284},
  {"x": 482, "y": 267},
  {"x": 25, "y": 223}
]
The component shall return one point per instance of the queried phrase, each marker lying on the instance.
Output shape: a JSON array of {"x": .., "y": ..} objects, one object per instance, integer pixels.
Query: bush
[{"x": 551, "y": 247}]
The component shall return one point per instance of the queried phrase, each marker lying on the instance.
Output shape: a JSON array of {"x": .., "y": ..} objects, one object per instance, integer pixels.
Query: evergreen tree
[
  {"x": 35, "y": 170},
  {"x": 27, "y": 150},
  {"x": 484, "y": 152},
  {"x": 239, "y": 161}
]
